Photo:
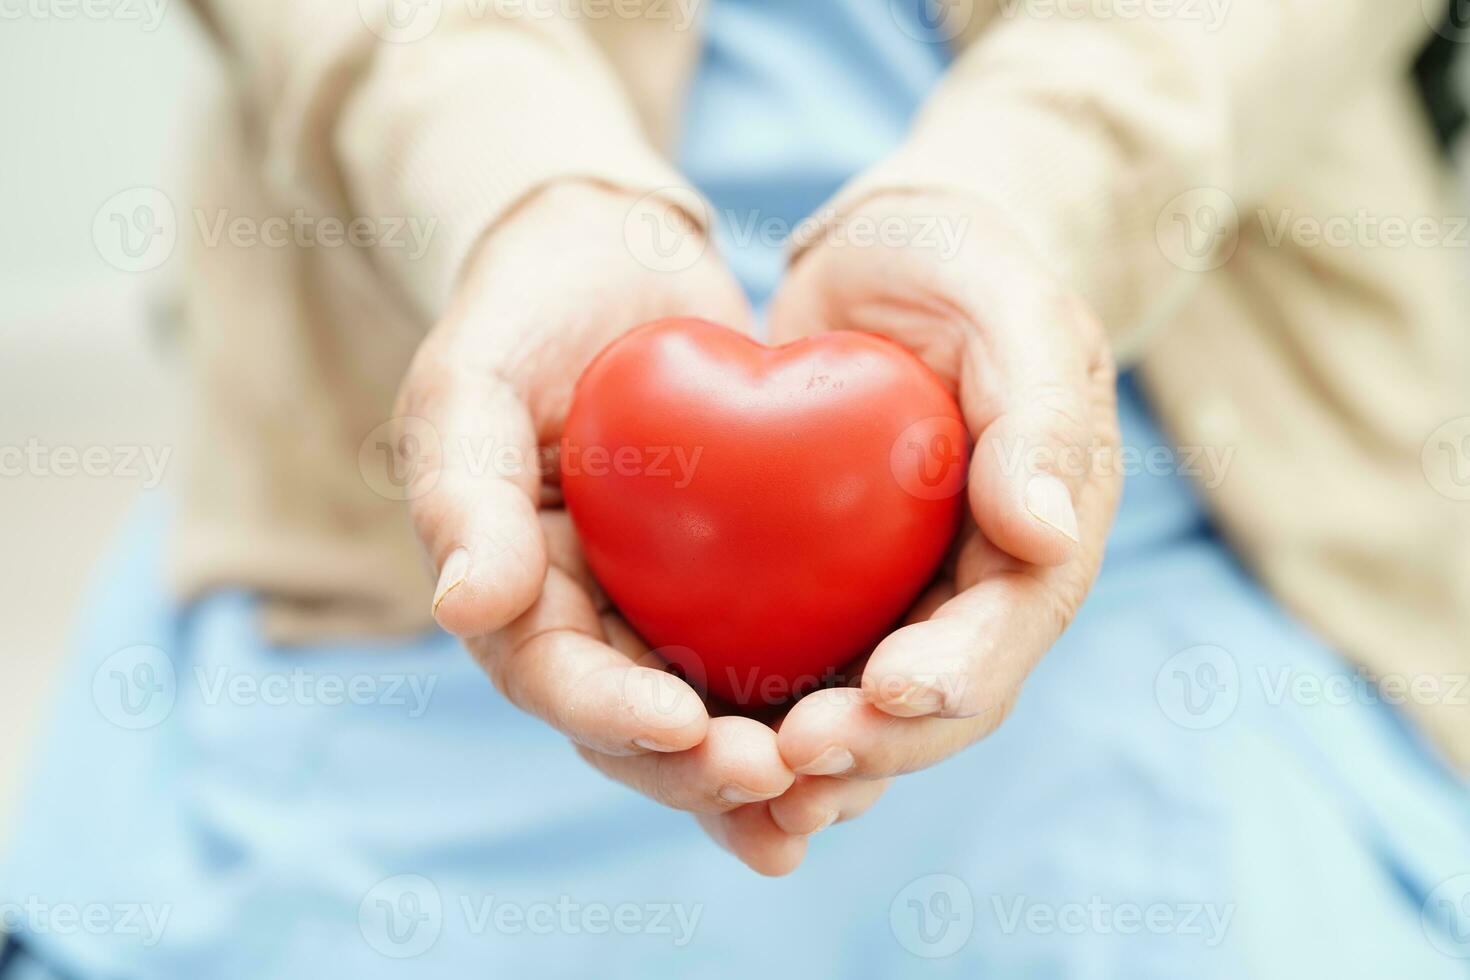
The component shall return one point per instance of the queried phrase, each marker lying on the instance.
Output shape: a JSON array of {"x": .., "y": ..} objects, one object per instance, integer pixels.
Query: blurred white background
[{"x": 92, "y": 107}]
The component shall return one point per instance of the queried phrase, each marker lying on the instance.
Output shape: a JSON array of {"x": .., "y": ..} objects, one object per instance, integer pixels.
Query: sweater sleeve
[
  {"x": 448, "y": 112},
  {"x": 1127, "y": 138}
]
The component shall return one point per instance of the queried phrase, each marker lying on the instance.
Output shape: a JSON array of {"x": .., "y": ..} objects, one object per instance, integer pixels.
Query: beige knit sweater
[{"x": 1244, "y": 191}]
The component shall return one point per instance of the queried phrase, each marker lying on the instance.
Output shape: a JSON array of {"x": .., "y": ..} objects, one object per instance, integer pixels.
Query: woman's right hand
[{"x": 550, "y": 287}]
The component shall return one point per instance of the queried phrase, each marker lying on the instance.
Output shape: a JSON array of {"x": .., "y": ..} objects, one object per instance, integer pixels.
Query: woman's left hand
[{"x": 1035, "y": 382}]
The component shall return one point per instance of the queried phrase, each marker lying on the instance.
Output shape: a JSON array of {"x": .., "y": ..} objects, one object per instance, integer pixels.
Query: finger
[
  {"x": 1029, "y": 362},
  {"x": 815, "y": 803},
  {"x": 714, "y": 294},
  {"x": 888, "y": 292},
  {"x": 1033, "y": 385},
  {"x": 563, "y": 548},
  {"x": 838, "y": 733},
  {"x": 932, "y": 598},
  {"x": 736, "y": 764},
  {"x": 622, "y": 638},
  {"x": 554, "y": 663},
  {"x": 972, "y": 655},
  {"x": 893, "y": 293},
  {"x": 750, "y": 834},
  {"x": 565, "y": 552},
  {"x": 799, "y": 306},
  {"x": 472, "y": 492}
]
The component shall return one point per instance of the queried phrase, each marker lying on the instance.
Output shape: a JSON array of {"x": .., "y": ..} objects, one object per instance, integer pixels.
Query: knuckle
[
  {"x": 803, "y": 818},
  {"x": 1061, "y": 413},
  {"x": 973, "y": 695},
  {"x": 433, "y": 521},
  {"x": 809, "y": 808},
  {"x": 505, "y": 675},
  {"x": 518, "y": 678},
  {"x": 1061, "y": 597},
  {"x": 492, "y": 652},
  {"x": 661, "y": 786},
  {"x": 906, "y": 756},
  {"x": 990, "y": 720}
]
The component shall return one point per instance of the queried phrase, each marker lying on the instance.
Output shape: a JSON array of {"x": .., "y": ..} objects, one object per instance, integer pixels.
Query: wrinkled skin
[{"x": 549, "y": 289}]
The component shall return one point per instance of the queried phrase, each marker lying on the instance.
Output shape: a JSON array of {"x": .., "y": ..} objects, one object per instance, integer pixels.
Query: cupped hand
[
  {"x": 1035, "y": 382},
  {"x": 551, "y": 286}
]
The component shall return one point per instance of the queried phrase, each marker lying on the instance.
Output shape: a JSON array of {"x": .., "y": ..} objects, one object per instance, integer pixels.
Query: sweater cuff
[
  {"x": 1103, "y": 229},
  {"x": 454, "y": 137}
]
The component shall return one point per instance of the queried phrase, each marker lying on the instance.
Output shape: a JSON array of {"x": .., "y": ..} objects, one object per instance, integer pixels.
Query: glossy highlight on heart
[{"x": 763, "y": 516}]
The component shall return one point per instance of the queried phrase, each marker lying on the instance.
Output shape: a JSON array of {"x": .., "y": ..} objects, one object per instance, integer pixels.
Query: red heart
[{"x": 762, "y": 516}]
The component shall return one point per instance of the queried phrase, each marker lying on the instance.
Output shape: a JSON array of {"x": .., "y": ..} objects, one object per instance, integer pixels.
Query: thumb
[
  {"x": 472, "y": 495},
  {"x": 1032, "y": 387}
]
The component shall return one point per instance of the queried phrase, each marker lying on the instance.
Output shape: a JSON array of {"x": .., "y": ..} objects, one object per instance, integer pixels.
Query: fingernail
[
  {"x": 1049, "y": 502},
  {"x": 456, "y": 569},
  {"x": 739, "y": 794},
  {"x": 921, "y": 699},
  {"x": 662, "y": 702},
  {"x": 829, "y": 821},
  {"x": 832, "y": 762},
  {"x": 650, "y": 745}
]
